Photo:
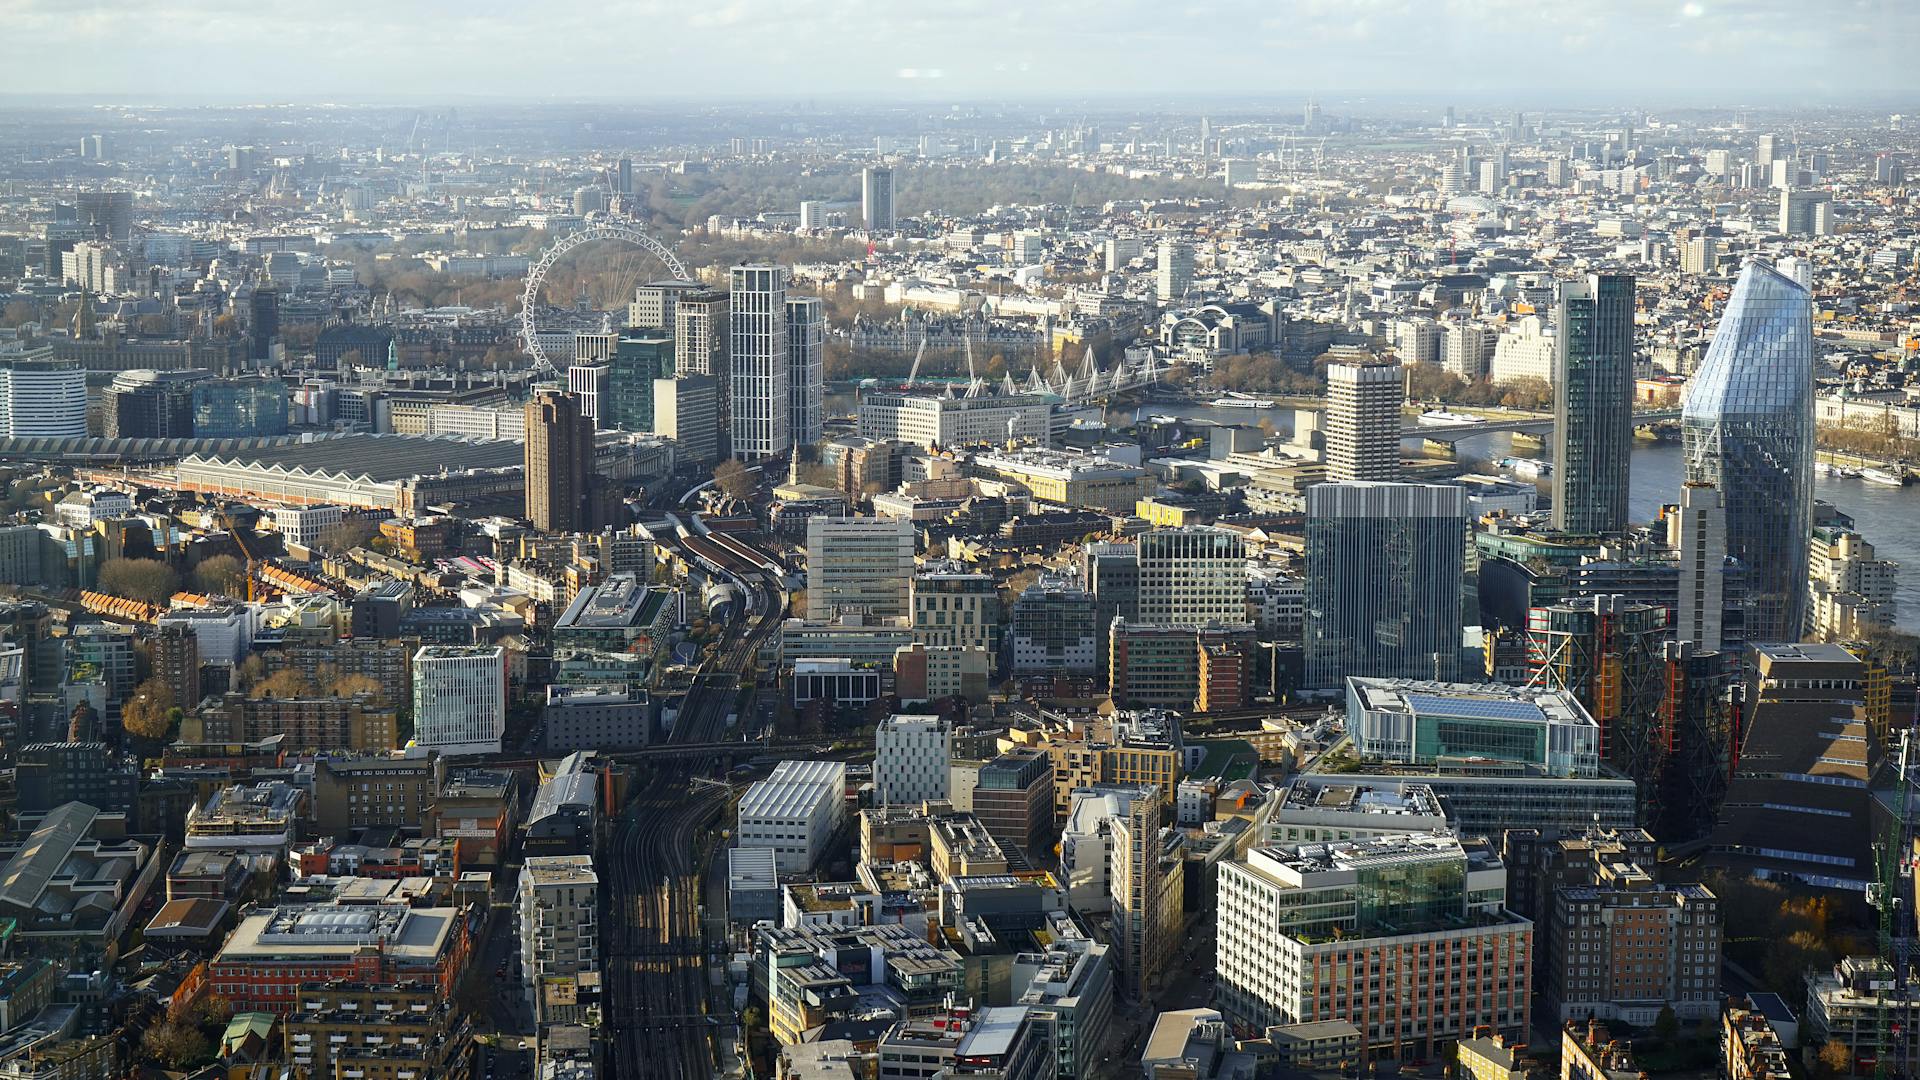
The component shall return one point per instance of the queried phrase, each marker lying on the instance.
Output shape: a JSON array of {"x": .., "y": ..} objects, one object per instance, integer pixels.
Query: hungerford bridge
[
  {"x": 1085, "y": 384},
  {"x": 1088, "y": 383}
]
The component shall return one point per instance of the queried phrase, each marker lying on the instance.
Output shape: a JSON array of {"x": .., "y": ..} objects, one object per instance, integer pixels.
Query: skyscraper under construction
[{"x": 1662, "y": 706}]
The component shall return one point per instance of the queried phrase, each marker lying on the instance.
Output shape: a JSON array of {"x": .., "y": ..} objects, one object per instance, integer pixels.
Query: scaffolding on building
[{"x": 1607, "y": 653}]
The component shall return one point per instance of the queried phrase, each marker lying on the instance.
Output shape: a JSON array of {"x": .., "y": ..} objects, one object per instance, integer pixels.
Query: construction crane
[
  {"x": 913, "y": 373},
  {"x": 241, "y": 541},
  {"x": 1893, "y": 868}
]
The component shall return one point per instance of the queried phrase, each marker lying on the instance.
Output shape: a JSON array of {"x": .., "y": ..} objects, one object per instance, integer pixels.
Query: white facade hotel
[
  {"x": 1524, "y": 351},
  {"x": 910, "y": 760},
  {"x": 1407, "y": 937},
  {"x": 303, "y": 525},
  {"x": 460, "y": 698},
  {"x": 930, "y": 420},
  {"x": 795, "y": 812}
]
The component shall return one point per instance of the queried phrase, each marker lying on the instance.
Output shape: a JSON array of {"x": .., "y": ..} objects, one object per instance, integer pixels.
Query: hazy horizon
[{"x": 1682, "y": 53}]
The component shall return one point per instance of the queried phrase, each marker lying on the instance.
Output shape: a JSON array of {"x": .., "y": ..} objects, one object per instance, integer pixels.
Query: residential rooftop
[
  {"x": 560, "y": 870},
  {"x": 328, "y": 931},
  {"x": 1359, "y": 797}
]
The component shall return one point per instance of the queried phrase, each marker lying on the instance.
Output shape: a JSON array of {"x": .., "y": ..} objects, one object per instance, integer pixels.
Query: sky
[{"x": 1641, "y": 52}]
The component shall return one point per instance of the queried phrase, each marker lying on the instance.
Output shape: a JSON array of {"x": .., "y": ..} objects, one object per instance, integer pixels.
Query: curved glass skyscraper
[{"x": 1747, "y": 427}]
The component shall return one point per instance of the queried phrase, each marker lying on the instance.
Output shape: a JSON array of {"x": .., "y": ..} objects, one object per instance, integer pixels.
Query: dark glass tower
[
  {"x": 1592, "y": 403},
  {"x": 1385, "y": 570},
  {"x": 1747, "y": 429},
  {"x": 639, "y": 357}
]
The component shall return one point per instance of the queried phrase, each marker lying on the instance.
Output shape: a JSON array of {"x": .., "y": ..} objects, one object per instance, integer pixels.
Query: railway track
[{"x": 657, "y": 966}]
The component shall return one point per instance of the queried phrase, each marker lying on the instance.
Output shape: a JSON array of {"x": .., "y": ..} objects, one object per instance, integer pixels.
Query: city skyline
[{"x": 927, "y": 586}]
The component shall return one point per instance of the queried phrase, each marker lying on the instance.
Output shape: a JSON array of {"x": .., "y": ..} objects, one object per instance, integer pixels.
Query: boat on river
[
  {"x": 1234, "y": 400},
  {"x": 1527, "y": 468}
]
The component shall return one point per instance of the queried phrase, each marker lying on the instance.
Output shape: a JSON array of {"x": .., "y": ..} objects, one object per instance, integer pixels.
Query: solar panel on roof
[{"x": 1475, "y": 708}]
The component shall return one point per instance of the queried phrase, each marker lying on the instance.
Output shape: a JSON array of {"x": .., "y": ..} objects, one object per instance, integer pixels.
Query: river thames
[{"x": 1888, "y": 517}]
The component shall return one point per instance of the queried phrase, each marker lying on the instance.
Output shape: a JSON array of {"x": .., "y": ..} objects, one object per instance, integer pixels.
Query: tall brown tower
[
  {"x": 559, "y": 468},
  {"x": 176, "y": 661}
]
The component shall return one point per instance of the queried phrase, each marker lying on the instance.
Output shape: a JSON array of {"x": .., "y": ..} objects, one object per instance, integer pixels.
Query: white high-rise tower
[
  {"x": 759, "y": 371},
  {"x": 1363, "y": 421},
  {"x": 1175, "y": 269},
  {"x": 460, "y": 698},
  {"x": 806, "y": 385}
]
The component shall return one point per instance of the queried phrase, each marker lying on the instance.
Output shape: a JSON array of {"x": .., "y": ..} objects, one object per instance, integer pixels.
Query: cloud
[{"x": 1243, "y": 48}]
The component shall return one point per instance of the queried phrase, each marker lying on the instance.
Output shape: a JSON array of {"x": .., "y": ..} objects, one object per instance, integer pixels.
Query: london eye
[{"x": 583, "y": 282}]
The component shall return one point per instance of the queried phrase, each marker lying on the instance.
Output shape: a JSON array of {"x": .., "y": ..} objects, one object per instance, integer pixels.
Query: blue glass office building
[
  {"x": 1747, "y": 429},
  {"x": 239, "y": 408}
]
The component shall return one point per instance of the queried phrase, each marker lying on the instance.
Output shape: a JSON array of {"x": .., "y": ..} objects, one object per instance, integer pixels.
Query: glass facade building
[
  {"x": 239, "y": 408},
  {"x": 1402, "y": 895},
  {"x": 638, "y": 359},
  {"x": 1385, "y": 570},
  {"x": 1375, "y": 886},
  {"x": 1413, "y": 722},
  {"x": 1593, "y": 403},
  {"x": 1053, "y": 628},
  {"x": 1747, "y": 429}
]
